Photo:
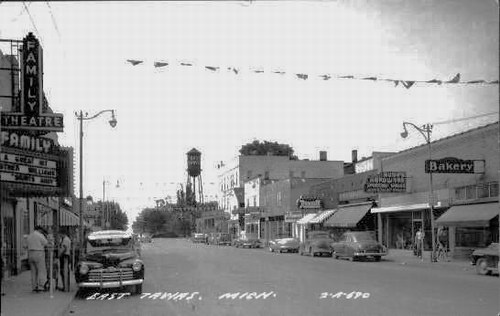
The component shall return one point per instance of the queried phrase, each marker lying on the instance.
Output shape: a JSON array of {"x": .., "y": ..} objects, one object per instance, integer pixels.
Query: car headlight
[
  {"x": 84, "y": 269},
  {"x": 137, "y": 266}
]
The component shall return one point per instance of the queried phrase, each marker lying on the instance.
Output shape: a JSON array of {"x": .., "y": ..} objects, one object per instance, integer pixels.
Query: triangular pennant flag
[
  {"x": 325, "y": 77},
  {"x": 396, "y": 83},
  {"x": 160, "y": 64},
  {"x": 455, "y": 79},
  {"x": 279, "y": 72},
  {"x": 212, "y": 68},
  {"x": 475, "y": 81},
  {"x": 235, "y": 70},
  {"x": 134, "y": 62},
  {"x": 186, "y": 64},
  {"x": 407, "y": 84},
  {"x": 370, "y": 78},
  {"x": 347, "y": 77},
  {"x": 435, "y": 81},
  {"x": 302, "y": 76}
]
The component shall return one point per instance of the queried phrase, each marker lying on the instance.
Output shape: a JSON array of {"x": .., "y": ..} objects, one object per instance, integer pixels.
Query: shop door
[{"x": 10, "y": 247}]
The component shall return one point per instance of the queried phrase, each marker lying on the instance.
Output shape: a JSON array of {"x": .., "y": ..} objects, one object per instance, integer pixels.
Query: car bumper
[
  {"x": 369, "y": 254},
  {"x": 111, "y": 284}
]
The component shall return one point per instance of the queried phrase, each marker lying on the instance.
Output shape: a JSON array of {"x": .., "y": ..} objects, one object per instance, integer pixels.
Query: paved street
[{"x": 183, "y": 278}]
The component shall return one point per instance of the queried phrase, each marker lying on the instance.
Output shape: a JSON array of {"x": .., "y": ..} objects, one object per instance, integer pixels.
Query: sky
[{"x": 164, "y": 112}]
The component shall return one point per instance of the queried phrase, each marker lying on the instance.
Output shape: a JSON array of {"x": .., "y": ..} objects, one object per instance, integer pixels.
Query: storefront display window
[{"x": 472, "y": 237}]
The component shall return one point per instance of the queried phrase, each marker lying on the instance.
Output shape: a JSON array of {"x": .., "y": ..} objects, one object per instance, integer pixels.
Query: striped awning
[
  {"x": 68, "y": 218},
  {"x": 306, "y": 219},
  {"x": 348, "y": 216},
  {"x": 403, "y": 208},
  {"x": 321, "y": 217}
]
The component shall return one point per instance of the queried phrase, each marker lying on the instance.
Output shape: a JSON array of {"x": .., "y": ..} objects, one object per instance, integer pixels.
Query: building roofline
[{"x": 475, "y": 129}]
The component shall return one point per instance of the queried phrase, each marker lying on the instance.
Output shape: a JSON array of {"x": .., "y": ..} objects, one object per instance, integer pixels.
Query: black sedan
[
  {"x": 358, "y": 245},
  {"x": 287, "y": 244}
]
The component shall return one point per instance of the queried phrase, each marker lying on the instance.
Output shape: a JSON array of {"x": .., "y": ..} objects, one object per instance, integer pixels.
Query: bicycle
[{"x": 442, "y": 252}]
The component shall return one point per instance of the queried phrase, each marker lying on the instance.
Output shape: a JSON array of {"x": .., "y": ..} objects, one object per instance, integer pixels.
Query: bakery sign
[
  {"x": 386, "y": 182},
  {"x": 454, "y": 165},
  {"x": 32, "y": 117}
]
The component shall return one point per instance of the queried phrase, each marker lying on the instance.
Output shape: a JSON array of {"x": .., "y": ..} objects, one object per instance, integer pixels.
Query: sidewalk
[
  {"x": 406, "y": 257},
  {"x": 20, "y": 300}
]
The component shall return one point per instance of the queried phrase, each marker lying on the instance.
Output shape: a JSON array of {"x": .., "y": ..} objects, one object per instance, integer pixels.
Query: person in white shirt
[
  {"x": 64, "y": 256},
  {"x": 37, "y": 242},
  {"x": 419, "y": 238}
]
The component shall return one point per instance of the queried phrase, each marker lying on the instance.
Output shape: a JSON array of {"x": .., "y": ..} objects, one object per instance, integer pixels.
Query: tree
[{"x": 266, "y": 148}]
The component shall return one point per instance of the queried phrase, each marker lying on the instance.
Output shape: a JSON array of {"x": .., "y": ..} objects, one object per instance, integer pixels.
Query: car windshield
[
  {"x": 363, "y": 236},
  {"x": 319, "y": 235},
  {"x": 109, "y": 244}
]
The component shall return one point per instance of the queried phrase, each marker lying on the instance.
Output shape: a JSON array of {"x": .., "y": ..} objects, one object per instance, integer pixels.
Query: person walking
[
  {"x": 36, "y": 243},
  {"x": 419, "y": 239},
  {"x": 64, "y": 258}
]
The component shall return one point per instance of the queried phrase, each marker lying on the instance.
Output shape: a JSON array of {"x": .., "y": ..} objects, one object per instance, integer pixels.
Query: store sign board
[
  {"x": 309, "y": 204},
  {"x": 453, "y": 165},
  {"x": 386, "y": 182},
  {"x": 32, "y": 117},
  {"x": 28, "y": 170},
  {"x": 293, "y": 217}
]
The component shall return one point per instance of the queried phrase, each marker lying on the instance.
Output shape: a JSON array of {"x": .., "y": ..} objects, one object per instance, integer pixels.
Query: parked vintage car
[
  {"x": 247, "y": 241},
  {"x": 486, "y": 259},
  {"x": 110, "y": 260},
  {"x": 222, "y": 239},
  {"x": 284, "y": 244},
  {"x": 317, "y": 243},
  {"x": 199, "y": 238},
  {"x": 357, "y": 245}
]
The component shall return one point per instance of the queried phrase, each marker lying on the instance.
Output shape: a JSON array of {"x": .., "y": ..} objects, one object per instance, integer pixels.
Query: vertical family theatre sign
[{"x": 31, "y": 164}]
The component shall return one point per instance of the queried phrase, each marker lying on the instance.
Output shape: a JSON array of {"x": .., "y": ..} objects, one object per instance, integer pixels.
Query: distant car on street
[
  {"x": 247, "y": 241},
  {"x": 317, "y": 243},
  {"x": 284, "y": 244},
  {"x": 221, "y": 239},
  {"x": 357, "y": 245},
  {"x": 486, "y": 259},
  {"x": 199, "y": 238},
  {"x": 110, "y": 260}
]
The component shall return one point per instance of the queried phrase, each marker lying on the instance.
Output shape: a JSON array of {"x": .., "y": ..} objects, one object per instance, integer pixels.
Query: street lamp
[
  {"x": 85, "y": 117},
  {"x": 426, "y": 131}
]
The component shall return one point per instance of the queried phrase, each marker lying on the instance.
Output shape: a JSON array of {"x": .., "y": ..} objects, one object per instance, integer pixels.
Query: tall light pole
[
  {"x": 85, "y": 117},
  {"x": 426, "y": 131}
]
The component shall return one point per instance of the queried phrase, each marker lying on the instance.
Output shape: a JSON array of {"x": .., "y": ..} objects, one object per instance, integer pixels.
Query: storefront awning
[
  {"x": 68, "y": 218},
  {"x": 305, "y": 220},
  {"x": 403, "y": 208},
  {"x": 321, "y": 217},
  {"x": 348, "y": 216},
  {"x": 471, "y": 215}
]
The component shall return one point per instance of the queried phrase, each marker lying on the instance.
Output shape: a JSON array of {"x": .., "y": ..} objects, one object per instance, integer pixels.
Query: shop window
[
  {"x": 483, "y": 191},
  {"x": 470, "y": 192},
  {"x": 472, "y": 237},
  {"x": 493, "y": 189},
  {"x": 460, "y": 194}
]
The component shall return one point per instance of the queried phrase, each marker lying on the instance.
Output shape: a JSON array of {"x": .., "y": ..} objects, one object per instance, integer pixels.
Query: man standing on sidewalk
[
  {"x": 419, "y": 237},
  {"x": 36, "y": 257},
  {"x": 64, "y": 259}
]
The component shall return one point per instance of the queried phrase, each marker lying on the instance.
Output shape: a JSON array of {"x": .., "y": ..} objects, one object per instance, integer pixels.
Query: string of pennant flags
[{"x": 303, "y": 76}]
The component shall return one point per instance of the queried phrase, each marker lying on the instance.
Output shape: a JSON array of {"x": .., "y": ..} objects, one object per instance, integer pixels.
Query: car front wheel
[{"x": 482, "y": 266}]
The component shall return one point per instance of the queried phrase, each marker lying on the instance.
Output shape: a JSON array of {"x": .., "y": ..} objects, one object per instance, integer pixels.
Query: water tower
[{"x": 194, "y": 174}]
